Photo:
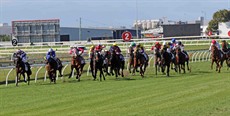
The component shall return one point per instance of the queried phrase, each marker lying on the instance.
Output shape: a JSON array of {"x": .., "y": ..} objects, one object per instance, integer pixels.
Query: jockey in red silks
[
  {"x": 157, "y": 48},
  {"x": 99, "y": 48},
  {"x": 77, "y": 52},
  {"x": 214, "y": 42}
]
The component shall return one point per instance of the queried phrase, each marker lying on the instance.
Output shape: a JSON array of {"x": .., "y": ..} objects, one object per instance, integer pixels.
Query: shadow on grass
[{"x": 124, "y": 79}]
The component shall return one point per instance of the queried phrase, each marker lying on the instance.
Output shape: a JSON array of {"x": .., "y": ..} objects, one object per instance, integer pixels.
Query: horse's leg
[
  {"x": 95, "y": 73},
  {"x": 54, "y": 77},
  {"x": 17, "y": 78},
  {"x": 71, "y": 71},
  {"x": 156, "y": 66},
  {"x": 217, "y": 65},
  {"x": 168, "y": 69},
  {"x": 187, "y": 62},
  {"x": 179, "y": 66},
  {"x": 122, "y": 69},
  {"x": 23, "y": 74},
  {"x": 59, "y": 70},
  {"x": 78, "y": 74},
  {"x": 212, "y": 64},
  {"x": 183, "y": 67}
]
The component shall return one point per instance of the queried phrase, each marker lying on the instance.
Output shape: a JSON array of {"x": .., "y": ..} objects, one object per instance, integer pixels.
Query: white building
[{"x": 224, "y": 29}]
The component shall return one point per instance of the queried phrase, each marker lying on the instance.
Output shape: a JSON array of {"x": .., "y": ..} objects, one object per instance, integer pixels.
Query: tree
[{"x": 219, "y": 16}]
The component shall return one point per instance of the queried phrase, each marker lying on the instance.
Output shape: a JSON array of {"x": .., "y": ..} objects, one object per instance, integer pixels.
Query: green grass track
[{"x": 202, "y": 92}]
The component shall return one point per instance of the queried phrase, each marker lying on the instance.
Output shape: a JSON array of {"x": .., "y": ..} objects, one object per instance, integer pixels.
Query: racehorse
[
  {"x": 107, "y": 62},
  {"x": 226, "y": 53},
  {"x": 158, "y": 63},
  {"x": 216, "y": 57},
  {"x": 98, "y": 65},
  {"x": 52, "y": 67},
  {"x": 181, "y": 59},
  {"x": 20, "y": 70},
  {"x": 131, "y": 59},
  {"x": 76, "y": 63},
  {"x": 165, "y": 61},
  {"x": 141, "y": 61},
  {"x": 117, "y": 64}
]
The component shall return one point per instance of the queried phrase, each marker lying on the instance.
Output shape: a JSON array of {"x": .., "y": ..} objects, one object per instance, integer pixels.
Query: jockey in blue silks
[{"x": 50, "y": 54}]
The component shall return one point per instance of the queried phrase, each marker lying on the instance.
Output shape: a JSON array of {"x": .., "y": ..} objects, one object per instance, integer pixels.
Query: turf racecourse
[{"x": 199, "y": 93}]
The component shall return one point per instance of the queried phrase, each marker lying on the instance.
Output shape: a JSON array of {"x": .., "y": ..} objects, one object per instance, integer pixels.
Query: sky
[{"x": 108, "y": 13}]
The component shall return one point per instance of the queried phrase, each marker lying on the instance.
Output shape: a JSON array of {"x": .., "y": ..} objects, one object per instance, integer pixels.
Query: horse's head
[
  {"x": 177, "y": 49},
  {"x": 214, "y": 48}
]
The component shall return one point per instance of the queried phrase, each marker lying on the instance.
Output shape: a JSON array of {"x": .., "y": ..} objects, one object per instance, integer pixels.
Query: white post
[
  {"x": 36, "y": 76},
  {"x": 8, "y": 76}
]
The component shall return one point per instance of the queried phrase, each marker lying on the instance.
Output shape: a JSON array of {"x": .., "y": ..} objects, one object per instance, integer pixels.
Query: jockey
[
  {"x": 91, "y": 50},
  {"x": 131, "y": 48},
  {"x": 99, "y": 48},
  {"x": 117, "y": 50},
  {"x": 227, "y": 46},
  {"x": 174, "y": 42},
  {"x": 141, "y": 50},
  {"x": 214, "y": 42},
  {"x": 157, "y": 48},
  {"x": 170, "y": 49},
  {"x": 22, "y": 55},
  {"x": 181, "y": 46},
  {"x": 77, "y": 52},
  {"x": 51, "y": 54}
]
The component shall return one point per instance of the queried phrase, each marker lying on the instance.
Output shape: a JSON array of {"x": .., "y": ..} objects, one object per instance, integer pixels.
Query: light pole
[
  {"x": 80, "y": 30},
  {"x": 136, "y": 21}
]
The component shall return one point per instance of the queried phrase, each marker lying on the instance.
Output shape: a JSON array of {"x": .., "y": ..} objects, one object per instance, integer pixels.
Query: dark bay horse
[
  {"x": 52, "y": 67},
  {"x": 98, "y": 65},
  {"x": 157, "y": 60},
  {"x": 117, "y": 64},
  {"x": 107, "y": 62},
  {"x": 181, "y": 59},
  {"x": 216, "y": 57},
  {"x": 165, "y": 61},
  {"x": 76, "y": 63},
  {"x": 20, "y": 70},
  {"x": 226, "y": 53},
  {"x": 140, "y": 60}
]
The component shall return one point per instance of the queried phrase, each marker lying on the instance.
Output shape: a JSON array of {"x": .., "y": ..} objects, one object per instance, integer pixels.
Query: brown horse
[
  {"x": 76, "y": 63},
  {"x": 117, "y": 64},
  {"x": 52, "y": 67},
  {"x": 216, "y": 57},
  {"x": 181, "y": 59},
  {"x": 131, "y": 59},
  {"x": 20, "y": 70},
  {"x": 141, "y": 61}
]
